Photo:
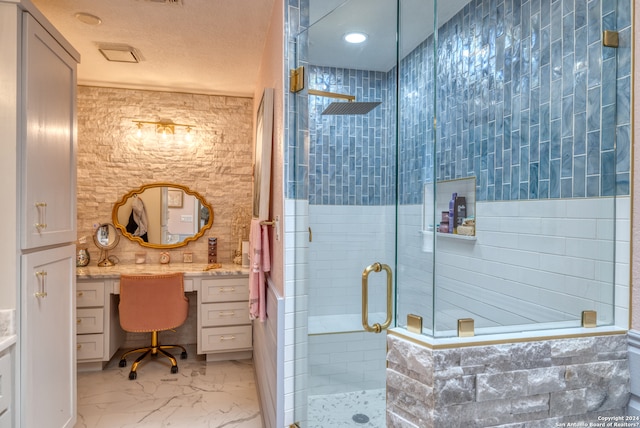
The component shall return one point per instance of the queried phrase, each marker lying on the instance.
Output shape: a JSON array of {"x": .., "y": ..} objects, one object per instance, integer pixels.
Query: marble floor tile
[{"x": 201, "y": 395}]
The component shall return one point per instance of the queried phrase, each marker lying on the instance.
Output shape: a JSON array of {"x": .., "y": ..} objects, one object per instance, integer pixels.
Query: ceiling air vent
[{"x": 120, "y": 53}]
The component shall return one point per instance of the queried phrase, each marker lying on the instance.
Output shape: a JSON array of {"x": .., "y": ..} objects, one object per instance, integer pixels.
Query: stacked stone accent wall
[
  {"x": 548, "y": 383},
  {"x": 112, "y": 160}
]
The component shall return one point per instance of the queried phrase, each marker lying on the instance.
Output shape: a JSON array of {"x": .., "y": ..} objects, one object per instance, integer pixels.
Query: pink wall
[{"x": 272, "y": 76}]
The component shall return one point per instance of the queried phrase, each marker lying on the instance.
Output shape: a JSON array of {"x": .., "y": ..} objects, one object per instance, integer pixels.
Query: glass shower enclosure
[{"x": 463, "y": 171}]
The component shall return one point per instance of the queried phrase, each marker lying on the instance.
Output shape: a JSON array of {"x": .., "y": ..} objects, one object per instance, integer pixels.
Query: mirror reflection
[
  {"x": 106, "y": 236},
  {"x": 162, "y": 215}
]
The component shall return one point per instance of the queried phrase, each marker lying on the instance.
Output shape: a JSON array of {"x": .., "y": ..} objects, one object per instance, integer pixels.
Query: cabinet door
[
  {"x": 48, "y": 352},
  {"x": 49, "y": 147}
]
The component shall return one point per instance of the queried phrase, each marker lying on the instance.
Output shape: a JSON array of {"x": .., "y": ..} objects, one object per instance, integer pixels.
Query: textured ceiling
[
  {"x": 196, "y": 46},
  {"x": 215, "y": 46}
]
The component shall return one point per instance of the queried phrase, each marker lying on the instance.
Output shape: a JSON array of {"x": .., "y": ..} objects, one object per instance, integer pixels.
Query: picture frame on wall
[
  {"x": 262, "y": 160},
  {"x": 174, "y": 198}
]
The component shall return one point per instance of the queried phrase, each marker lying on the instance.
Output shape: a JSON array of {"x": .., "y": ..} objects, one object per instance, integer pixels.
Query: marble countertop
[
  {"x": 7, "y": 341},
  {"x": 189, "y": 269}
]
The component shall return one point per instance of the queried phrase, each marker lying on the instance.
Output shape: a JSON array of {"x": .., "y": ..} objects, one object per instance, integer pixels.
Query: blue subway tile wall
[
  {"x": 349, "y": 158},
  {"x": 528, "y": 101}
]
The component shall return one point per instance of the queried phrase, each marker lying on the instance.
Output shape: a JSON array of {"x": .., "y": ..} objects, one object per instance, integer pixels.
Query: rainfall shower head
[{"x": 349, "y": 107}]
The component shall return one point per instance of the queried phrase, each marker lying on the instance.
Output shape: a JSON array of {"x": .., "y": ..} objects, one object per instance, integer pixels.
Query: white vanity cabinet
[
  {"x": 48, "y": 161},
  {"x": 224, "y": 330},
  {"x": 37, "y": 160},
  {"x": 224, "y": 327},
  {"x": 97, "y": 322},
  {"x": 90, "y": 297},
  {"x": 47, "y": 331}
]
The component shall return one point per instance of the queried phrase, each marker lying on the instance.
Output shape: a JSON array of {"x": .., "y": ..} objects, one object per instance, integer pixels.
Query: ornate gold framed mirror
[{"x": 162, "y": 215}]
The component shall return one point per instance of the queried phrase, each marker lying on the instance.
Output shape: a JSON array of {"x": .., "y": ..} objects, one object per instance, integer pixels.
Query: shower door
[
  {"x": 347, "y": 182},
  {"x": 351, "y": 211}
]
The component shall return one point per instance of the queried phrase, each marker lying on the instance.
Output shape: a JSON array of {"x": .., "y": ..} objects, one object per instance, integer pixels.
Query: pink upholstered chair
[{"x": 152, "y": 303}]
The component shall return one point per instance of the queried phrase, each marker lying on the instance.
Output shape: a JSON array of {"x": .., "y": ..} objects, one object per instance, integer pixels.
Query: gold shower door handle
[{"x": 376, "y": 267}]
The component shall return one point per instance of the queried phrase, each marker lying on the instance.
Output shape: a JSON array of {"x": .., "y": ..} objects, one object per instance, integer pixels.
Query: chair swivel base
[{"x": 152, "y": 350}]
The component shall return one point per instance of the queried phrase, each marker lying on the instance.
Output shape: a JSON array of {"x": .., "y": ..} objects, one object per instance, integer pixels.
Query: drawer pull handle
[
  {"x": 226, "y": 289},
  {"x": 79, "y": 347},
  {"x": 80, "y": 294},
  {"x": 226, "y": 314},
  {"x": 42, "y": 282},
  {"x": 222, "y": 338},
  {"x": 79, "y": 321},
  {"x": 42, "y": 216}
]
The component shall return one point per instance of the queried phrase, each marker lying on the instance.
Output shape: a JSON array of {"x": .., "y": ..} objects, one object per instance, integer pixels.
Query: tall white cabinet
[{"x": 38, "y": 219}]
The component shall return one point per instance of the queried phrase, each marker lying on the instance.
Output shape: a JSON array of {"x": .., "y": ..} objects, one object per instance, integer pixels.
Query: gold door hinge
[
  {"x": 610, "y": 38},
  {"x": 414, "y": 323},
  {"x": 296, "y": 79},
  {"x": 466, "y": 327},
  {"x": 589, "y": 319}
]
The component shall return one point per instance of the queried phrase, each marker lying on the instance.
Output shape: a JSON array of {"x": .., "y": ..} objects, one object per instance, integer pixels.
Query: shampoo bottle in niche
[
  {"x": 452, "y": 204},
  {"x": 460, "y": 210}
]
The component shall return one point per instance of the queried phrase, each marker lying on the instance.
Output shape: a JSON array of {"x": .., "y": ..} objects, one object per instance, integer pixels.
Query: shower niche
[{"x": 439, "y": 206}]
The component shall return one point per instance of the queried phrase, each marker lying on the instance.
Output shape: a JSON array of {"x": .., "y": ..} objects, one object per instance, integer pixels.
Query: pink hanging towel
[{"x": 259, "y": 263}]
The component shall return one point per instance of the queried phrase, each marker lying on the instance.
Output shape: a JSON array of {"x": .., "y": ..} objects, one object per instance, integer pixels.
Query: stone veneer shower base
[{"x": 543, "y": 383}]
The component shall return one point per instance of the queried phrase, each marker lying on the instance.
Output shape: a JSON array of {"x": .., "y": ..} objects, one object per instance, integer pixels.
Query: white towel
[
  {"x": 139, "y": 216},
  {"x": 259, "y": 264}
]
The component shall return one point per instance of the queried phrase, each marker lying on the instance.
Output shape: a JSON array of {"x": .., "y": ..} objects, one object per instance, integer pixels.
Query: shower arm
[{"x": 349, "y": 98}]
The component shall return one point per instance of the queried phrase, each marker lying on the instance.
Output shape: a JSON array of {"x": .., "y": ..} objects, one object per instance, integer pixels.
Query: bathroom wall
[
  {"x": 112, "y": 160},
  {"x": 535, "y": 264},
  {"x": 526, "y": 99},
  {"x": 269, "y": 337},
  {"x": 350, "y": 155},
  {"x": 500, "y": 65}
]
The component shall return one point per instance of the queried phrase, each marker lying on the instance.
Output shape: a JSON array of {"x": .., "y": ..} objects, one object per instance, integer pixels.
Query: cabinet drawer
[
  {"x": 216, "y": 339},
  {"x": 225, "y": 289},
  {"x": 89, "y": 320},
  {"x": 89, "y": 294},
  {"x": 89, "y": 346},
  {"x": 187, "y": 282},
  {"x": 219, "y": 314}
]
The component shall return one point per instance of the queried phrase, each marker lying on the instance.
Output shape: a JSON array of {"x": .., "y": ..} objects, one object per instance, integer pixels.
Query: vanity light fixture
[
  {"x": 355, "y": 37},
  {"x": 164, "y": 128}
]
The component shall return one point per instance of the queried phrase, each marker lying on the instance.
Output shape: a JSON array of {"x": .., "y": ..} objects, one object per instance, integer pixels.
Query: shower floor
[{"x": 338, "y": 410}]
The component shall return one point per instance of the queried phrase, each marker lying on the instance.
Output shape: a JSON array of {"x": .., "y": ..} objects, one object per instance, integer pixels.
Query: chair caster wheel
[
  {"x": 123, "y": 363},
  {"x": 133, "y": 375},
  {"x": 183, "y": 356},
  {"x": 174, "y": 369}
]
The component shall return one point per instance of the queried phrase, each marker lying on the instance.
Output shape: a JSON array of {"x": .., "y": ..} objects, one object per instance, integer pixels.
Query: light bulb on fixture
[{"x": 164, "y": 128}]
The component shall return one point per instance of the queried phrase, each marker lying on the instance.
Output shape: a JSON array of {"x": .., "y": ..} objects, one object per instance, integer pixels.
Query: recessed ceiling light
[
  {"x": 87, "y": 18},
  {"x": 355, "y": 37}
]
